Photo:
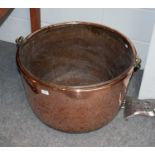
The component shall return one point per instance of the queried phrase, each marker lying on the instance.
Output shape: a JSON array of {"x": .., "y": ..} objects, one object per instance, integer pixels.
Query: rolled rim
[{"x": 90, "y": 87}]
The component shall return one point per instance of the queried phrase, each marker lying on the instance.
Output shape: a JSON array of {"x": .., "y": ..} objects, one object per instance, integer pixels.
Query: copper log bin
[{"x": 76, "y": 74}]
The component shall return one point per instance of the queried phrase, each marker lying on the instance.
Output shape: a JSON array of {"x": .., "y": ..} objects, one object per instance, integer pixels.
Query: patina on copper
[{"x": 76, "y": 74}]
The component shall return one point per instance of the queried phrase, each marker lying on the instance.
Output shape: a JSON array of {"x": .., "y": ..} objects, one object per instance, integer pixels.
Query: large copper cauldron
[{"x": 76, "y": 74}]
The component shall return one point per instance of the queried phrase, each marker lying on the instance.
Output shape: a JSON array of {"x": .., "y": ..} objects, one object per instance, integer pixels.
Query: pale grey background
[{"x": 135, "y": 23}]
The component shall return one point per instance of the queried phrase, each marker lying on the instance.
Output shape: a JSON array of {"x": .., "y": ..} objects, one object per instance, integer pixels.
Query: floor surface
[{"x": 20, "y": 127}]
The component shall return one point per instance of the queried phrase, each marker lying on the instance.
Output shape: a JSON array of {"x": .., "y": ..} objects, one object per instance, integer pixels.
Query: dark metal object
[
  {"x": 76, "y": 74},
  {"x": 138, "y": 63},
  {"x": 19, "y": 41},
  {"x": 134, "y": 107}
]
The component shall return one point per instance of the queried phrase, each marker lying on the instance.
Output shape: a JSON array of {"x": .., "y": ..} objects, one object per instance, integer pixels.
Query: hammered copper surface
[{"x": 76, "y": 74}]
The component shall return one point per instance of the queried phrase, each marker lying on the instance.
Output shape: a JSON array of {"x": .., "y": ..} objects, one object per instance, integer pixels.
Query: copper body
[{"x": 76, "y": 74}]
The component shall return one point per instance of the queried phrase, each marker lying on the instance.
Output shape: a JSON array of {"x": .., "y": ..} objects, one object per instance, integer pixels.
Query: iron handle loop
[
  {"x": 137, "y": 63},
  {"x": 19, "y": 41}
]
